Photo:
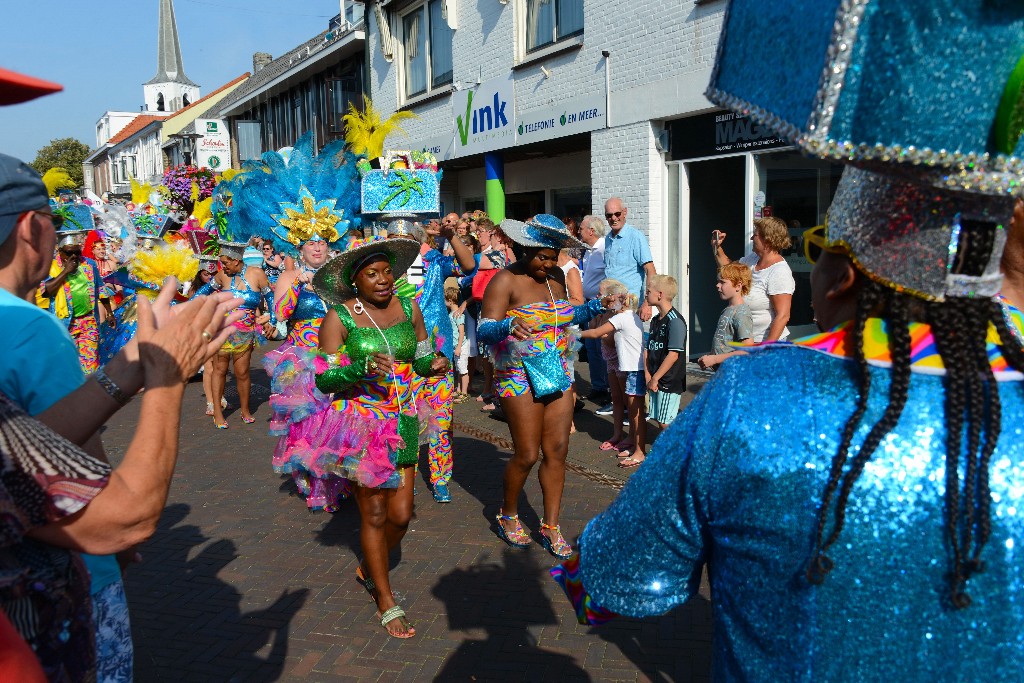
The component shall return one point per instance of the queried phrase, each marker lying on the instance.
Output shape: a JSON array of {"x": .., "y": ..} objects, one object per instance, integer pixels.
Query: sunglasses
[
  {"x": 815, "y": 243},
  {"x": 609, "y": 216},
  {"x": 58, "y": 221}
]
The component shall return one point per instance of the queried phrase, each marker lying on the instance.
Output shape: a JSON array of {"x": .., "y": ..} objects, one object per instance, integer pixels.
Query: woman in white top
[{"x": 771, "y": 292}]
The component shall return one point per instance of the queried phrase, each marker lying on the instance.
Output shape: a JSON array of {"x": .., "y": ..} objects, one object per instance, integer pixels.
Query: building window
[
  {"x": 250, "y": 145},
  {"x": 549, "y": 21},
  {"x": 124, "y": 169},
  {"x": 426, "y": 48}
]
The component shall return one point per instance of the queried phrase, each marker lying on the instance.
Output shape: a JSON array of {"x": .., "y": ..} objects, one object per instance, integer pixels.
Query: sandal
[
  {"x": 609, "y": 446},
  {"x": 631, "y": 461},
  {"x": 248, "y": 420},
  {"x": 209, "y": 408},
  {"x": 390, "y": 615},
  {"x": 557, "y": 546},
  {"x": 518, "y": 538},
  {"x": 220, "y": 425}
]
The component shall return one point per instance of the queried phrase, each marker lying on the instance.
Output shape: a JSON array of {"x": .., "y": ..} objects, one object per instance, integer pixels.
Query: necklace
[{"x": 359, "y": 309}]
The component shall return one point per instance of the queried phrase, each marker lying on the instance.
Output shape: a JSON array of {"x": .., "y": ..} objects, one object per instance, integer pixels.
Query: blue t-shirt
[
  {"x": 40, "y": 367},
  {"x": 625, "y": 255}
]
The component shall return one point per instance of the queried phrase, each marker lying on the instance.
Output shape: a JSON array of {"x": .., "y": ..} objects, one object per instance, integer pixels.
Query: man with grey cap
[{"x": 40, "y": 369}]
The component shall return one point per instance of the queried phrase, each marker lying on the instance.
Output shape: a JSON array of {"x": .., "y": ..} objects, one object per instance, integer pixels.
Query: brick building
[{"x": 604, "y": 98}]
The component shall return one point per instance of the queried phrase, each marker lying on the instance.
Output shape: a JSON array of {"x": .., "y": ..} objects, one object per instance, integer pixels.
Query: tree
[{"x": 66, "y": 153}]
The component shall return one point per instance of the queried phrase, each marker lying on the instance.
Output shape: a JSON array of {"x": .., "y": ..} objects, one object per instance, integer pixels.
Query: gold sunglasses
[{"x": 815, "y": 243}]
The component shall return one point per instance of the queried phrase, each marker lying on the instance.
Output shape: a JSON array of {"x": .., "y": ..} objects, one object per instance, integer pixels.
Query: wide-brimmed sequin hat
[
  {"x": 543, "y": 230},
  {"x": 333, "y": 282}
]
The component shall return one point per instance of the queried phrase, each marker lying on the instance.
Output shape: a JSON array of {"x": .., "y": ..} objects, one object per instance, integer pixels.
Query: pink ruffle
[{"x": 294, "y": 396}]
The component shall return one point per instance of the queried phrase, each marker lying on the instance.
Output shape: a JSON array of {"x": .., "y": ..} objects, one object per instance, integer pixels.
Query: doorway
[
  {"x": 524, "y": 205},
  {"x": 716, "y": 191}
]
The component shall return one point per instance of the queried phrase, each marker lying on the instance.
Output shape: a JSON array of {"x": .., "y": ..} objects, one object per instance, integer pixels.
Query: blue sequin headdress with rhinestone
[
  {"x": 928, "y": 96},
  {"x": 543, "y": 230},
  {"x": 294, "y": 200}
]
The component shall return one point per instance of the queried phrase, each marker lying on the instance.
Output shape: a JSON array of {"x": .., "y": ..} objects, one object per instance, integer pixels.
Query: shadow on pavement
[
  {"x": 187, "y": 623},
  {"x": 508, "y": 602}
]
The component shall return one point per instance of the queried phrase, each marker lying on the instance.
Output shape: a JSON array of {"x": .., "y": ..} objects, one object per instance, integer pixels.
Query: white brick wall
[{"x": 661, "y": 57}]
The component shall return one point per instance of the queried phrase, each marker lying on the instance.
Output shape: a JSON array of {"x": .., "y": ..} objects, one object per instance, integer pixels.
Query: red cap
[{"x": 15, "y": 87}]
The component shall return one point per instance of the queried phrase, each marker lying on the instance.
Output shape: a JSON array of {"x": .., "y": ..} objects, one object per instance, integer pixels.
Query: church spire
[{"x": 169, "y": 68}]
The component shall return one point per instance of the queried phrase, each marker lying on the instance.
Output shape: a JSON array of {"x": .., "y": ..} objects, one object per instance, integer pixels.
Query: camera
[{"x": 606, "y": 53}]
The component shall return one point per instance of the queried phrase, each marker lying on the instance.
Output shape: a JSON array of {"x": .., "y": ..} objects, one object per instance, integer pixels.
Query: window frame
[
  {"x": 557, "y": 45},
  {"x": 430, "y": 90}
]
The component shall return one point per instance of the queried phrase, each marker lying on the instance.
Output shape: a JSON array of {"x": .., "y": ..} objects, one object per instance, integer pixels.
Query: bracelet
[{"x": 112, "y": 389}]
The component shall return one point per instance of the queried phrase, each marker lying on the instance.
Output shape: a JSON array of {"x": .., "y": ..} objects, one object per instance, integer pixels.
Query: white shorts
[{"x": 462, "y": 358}]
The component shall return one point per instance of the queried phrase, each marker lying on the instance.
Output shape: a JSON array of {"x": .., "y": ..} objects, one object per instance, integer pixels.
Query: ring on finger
[{"x": 206, "y": 336}]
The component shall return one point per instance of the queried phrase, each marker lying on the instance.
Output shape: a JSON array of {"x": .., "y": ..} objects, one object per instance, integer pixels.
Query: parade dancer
[
  {"x": 301, "y": 207},
  {"x": 374, "y": 342},
  {"x": 528, "y": 323},
  {"x": 439, "y": 391},
  {"x": 74, "y": 291},
  {"x": 864, "y": 520}
]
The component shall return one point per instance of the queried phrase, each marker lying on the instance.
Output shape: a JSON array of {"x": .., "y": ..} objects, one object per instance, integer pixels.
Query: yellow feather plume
[
  {"x": 140, "y": 193},
  {"x": 201, "y": 210},
  {"x": 57, "y": 179},
  {"x": 365, "y": 132},
  {"x": 229, "y": 173},
  {"x": 156, "y": 265}
]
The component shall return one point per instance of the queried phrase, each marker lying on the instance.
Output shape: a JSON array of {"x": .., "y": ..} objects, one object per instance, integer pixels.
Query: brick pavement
[{"x": 241, "y": 583}]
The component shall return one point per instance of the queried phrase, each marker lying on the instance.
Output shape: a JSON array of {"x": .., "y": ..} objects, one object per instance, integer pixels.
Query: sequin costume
[
  {"x": 246, "y": 335},
  {"x": 437, "y": 391},
  {"x": 76, "y": 304},
  {"x": 374, "y": 424},
  {"x": 736, "y": 482},
  {"x": 507, "y": 353},
  {"x": 293, "y": 401}
]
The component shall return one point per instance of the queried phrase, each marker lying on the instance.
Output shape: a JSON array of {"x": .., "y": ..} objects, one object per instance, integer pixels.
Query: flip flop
[
  {"x": 631, "y": 462},
  {"x": 609, "y": 446},
  {"x": 220, "y": 425},
  {"x": 248, "y": 420}
]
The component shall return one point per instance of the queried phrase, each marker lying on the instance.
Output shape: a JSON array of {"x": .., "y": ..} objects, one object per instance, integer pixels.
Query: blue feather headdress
[{"x": 293, "y": 200}]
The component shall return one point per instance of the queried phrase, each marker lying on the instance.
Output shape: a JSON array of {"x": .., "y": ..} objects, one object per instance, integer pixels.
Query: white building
[
  {"x": 604, "y": 99},
  {"x": 112, "y": 123}
]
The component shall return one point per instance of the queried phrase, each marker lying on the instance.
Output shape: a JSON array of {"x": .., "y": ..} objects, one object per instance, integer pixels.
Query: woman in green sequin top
[{"x": 385, "y": 341}]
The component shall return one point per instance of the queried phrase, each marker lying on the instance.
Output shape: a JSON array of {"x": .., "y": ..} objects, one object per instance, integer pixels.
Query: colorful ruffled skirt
[{"x": 363, "y": 436}]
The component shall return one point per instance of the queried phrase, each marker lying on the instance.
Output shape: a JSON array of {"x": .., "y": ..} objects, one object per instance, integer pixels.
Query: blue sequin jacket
[{"x": 735, "y": 483}]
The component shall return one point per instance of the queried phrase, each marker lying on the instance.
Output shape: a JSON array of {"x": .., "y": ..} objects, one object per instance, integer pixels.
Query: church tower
[{"x": 170, "y": 90}]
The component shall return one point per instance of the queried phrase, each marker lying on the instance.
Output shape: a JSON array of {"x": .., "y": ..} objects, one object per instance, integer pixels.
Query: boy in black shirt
[{"x": 665, "y": 360}]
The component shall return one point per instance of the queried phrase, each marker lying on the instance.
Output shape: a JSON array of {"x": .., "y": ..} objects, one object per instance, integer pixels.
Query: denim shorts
[{"x": 633, "y": 382}]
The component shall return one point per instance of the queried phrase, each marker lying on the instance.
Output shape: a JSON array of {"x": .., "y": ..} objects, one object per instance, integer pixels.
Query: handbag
[
  {"x": 545, "y": 370},
  {"x": 480, "y": 282}
]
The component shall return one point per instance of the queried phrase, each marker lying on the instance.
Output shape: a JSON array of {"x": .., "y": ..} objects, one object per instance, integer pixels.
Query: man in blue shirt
[{"x": 627, "y": 254}]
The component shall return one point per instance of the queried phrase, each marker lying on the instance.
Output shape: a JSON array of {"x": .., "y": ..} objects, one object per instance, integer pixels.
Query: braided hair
[{"x": 960, "y": 326}]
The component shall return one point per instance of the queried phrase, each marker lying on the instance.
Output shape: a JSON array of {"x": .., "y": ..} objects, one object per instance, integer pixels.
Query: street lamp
[{"x": 188, "y": 143}]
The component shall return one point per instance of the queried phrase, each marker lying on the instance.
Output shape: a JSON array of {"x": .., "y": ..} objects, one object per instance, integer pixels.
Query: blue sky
[{"x": 102, "y": 51}]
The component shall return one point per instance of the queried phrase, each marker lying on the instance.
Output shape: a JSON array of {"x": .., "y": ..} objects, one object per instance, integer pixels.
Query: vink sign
[{"x": 485, "y": 117}]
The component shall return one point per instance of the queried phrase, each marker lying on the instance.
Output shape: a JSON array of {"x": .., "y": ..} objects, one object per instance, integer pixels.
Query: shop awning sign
[
  {"x": 484, "y": 116},
  {"x": 568, "y": 117}
]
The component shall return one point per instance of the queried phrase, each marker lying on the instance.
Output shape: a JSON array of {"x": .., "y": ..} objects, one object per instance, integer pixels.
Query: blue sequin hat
[
  {"x": 76, "y": 222},
  {"x": 543, "y": 230},
  {"x": 931, "y": 86}
]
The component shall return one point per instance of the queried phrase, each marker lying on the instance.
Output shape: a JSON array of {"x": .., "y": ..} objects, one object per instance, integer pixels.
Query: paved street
[{"x": 241, "y": 583}]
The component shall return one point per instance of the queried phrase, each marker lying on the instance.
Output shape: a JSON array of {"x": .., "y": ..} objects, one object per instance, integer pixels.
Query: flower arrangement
[{"x": 184, "y": 185}]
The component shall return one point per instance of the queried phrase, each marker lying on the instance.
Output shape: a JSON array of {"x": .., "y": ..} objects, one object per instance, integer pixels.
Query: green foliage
[{"x": 66, "y": 153}]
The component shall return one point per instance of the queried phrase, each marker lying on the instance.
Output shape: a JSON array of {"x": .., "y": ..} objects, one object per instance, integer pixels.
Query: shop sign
[
  {"x": 717, "y": 133},
  {"x": 442, "y": 146},
  {"x": 576, "y": 115},
  {"x": 213, "y": 150},
  {"x": 484, "y": 117}
]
